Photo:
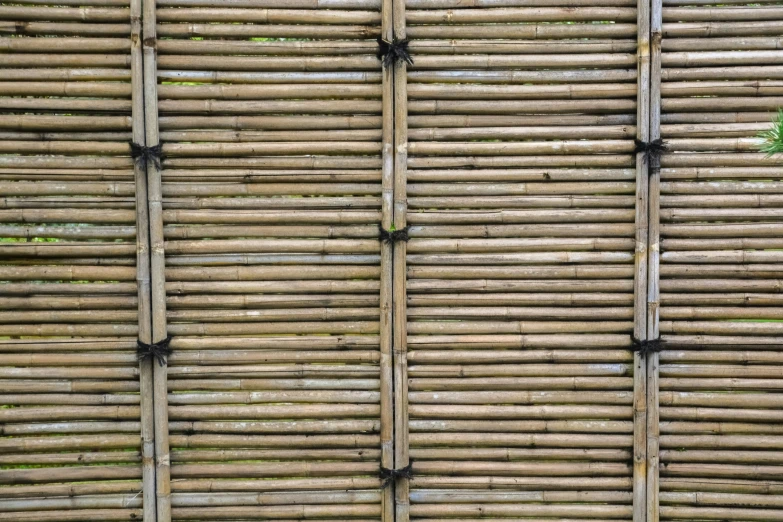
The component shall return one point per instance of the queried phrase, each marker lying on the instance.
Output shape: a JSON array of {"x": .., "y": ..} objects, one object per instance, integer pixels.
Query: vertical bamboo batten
[
  {"x": 387, "y": 270},
  {"x": 527, "y": 249},
  {"x": 721, "y": 208},
  {"x": 276, "y": 124},
  {"x": 400, "y": 338},
  {"x": 653, "y": 297},
  {"x": 641, "y": 263},
  {"x": 157, "y": 264},
  {"x": 146, "y": 394},
  {"x": 72, "y": 274}
]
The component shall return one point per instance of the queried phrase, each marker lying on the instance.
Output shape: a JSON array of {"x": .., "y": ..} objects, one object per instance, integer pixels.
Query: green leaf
[{"x": 773, "y": 138}]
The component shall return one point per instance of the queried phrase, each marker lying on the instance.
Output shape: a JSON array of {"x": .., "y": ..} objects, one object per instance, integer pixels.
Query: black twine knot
[
  {"x": 159, "y": 350},
  {"x": 646, "y": 347},
  {"x": 392, "y": 236},
  {"x": 142, "y": 154},
  {"x": 391, "y": 52},
  {"x": 389, "y": 476},
  {"x": 652, "y": 150}
]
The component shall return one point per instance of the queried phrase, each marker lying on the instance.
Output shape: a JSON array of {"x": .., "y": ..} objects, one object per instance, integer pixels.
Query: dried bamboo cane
[
  {"x": 640, "y": 279},
  {"x": 401, "y": 447},
  {"x": 157, "y": 264},
  {"x": 653, "y": 297},
  {"x": 387, "y": 305}
]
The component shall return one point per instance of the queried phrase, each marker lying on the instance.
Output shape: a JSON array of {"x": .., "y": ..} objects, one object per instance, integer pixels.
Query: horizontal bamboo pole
[
  {"x": 430, "y": 431},
  {"x": 279, "y": 484},
  {"x": 521, "y": 14},
  {"x": 553, "y": 382},
  {"x": 529, "y": 30}
]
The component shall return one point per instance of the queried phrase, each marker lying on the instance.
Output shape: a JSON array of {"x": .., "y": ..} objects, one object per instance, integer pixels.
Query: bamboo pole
[
  {"x": 157, "y": 264},
  {"x": 401, "y": 446},
  {"x": 653, "y": 298},
  {"x": 641, "y": 264},
  {"x": 387, "y": 296}
]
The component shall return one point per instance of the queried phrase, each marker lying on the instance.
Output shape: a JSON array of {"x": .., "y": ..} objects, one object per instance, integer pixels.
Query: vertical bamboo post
[
  {"x": 387, "y": 271},
  {"x": 142, "y": 269},
  {"x": 653, "y": 429},
  {"x": 401, "y": 457},
  {"x": 157, "y": 265},
  {"x": 640, "y": 275}
]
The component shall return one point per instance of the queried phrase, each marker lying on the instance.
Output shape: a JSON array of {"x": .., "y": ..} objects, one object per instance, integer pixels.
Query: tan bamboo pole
[
  {"x": 387, "y": 272},
  {"x": 641, "y": 265},
  {"x": 653, "y": 297},
  {"x": 157, "y": 265},
  {"x": 401, "y": 444},
  {"x": 143, "y": 272}
]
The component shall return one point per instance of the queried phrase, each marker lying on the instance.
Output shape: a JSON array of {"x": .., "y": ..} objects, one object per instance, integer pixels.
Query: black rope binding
[
  {"x": 652, "y": 150},
  {"x": 141, "y": 154},
  {"x": 392, "y": 236},
  {"x": 391, "y": 52},
  {"x": 646, "y": 347},
  {"x": 159, "y": 350},
  {"x": 389, "y": 476}
]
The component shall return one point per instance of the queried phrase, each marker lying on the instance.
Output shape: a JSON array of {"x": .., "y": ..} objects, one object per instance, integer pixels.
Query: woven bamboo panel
[
  {"x": 70, "y": 445},
  {"x": 521, "y": 182},
  {"x": 271, "y": 124},
  {"x": 721, "y": 217},
  {"x": 721, "y": 199}
]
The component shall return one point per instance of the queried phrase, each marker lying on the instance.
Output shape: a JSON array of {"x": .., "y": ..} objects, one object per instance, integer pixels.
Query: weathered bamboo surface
[
  {"x": 720, "y": 374},
  {"x": 521, "y": 188},
  {"x": 276, "y": 124},
  {"x": 492, "y": 350},
  {"x": 73, "y": 419}
]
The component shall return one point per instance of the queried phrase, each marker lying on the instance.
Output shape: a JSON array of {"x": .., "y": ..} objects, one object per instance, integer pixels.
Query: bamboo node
[
  {"x": 142, "y": 154},
  {"x": 392, "y": 236},
  {"x": 159, "y": 350},
  {"x": 152, "y": 43},
  {"x": 391, "y": 52},
  {"x": 648, "y": 346},
  {"x": 389, "y": 476}
]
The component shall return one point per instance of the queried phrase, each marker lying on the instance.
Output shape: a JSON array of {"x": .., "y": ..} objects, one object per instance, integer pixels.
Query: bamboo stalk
[
  {"x": 400, "y": 221},
  {"x": 157, "y": 266}
]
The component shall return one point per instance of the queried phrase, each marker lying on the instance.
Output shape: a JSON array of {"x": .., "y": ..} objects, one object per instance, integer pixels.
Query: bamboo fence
[{"x": 491, "y": 353}]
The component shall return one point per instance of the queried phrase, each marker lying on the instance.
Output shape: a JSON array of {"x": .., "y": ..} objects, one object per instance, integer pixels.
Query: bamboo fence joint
[
  {"x": 394, "y": 51},
  {"x": 159, "y": 350},
  {"x": 389, "y": 476},
  {"x": 141, "y": 154},
  {"x": 392, "y": 236},
  {"x": 647, "y": 347},
  {"x": 652, "y": 150}
]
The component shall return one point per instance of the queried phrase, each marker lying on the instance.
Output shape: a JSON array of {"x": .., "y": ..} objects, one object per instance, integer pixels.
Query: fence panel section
[
  {"x": 69, "y": 301},
  {"x": 521, "y": 197},
  {"x": 721, "y": 219},
  {"x": 271, "y": 119}
]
